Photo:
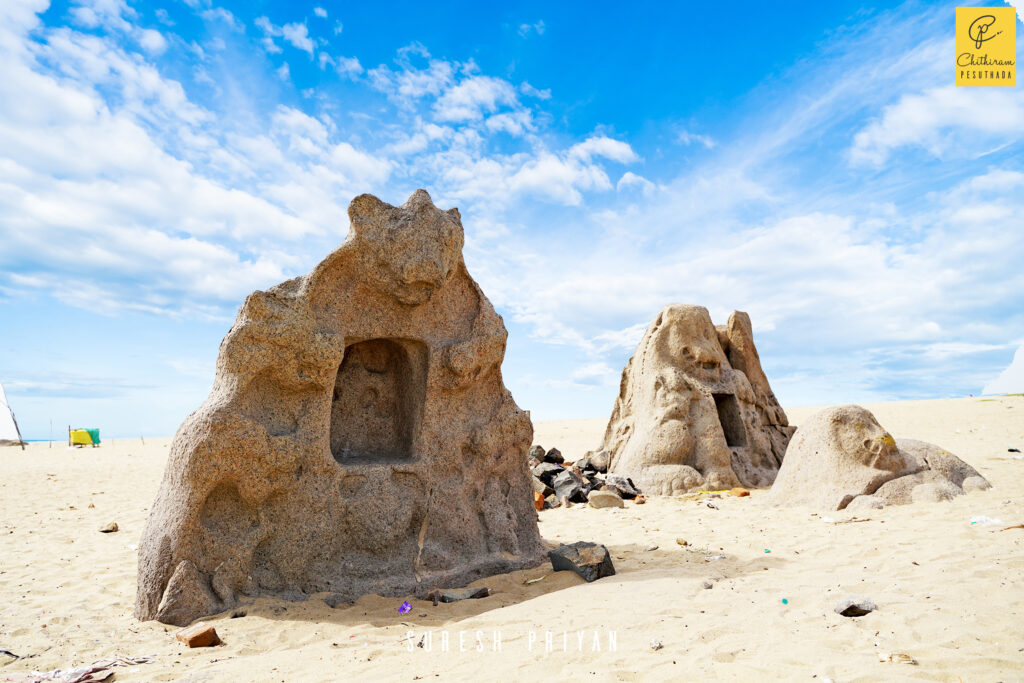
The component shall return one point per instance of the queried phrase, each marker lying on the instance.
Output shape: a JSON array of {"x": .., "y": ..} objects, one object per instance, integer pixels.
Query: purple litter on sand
[{"x": 406, "y": 607}]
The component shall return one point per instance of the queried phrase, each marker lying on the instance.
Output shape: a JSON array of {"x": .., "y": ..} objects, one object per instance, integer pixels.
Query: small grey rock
[
  {"x": 537, "y": 452},
  {"x": 455, "y": 595},
  {"x": 656, "y": 645},
  {"x": 624, "y": 485},
  {"x": 547, "y": 471},
  {"x": 708, "y": 585},
  {"x": 568, "y": 485}
]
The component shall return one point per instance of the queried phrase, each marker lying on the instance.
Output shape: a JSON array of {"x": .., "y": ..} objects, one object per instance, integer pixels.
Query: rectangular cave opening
[
  {"x": 731, "y": 420},
  {"x": 377, "y": 406}
]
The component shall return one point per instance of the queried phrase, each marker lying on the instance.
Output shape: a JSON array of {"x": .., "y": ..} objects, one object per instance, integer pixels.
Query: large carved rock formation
[
  {"x": 695, "y": 409},
  {"x": 358, "y": 437},
  {"x": 841, "y": 458}
]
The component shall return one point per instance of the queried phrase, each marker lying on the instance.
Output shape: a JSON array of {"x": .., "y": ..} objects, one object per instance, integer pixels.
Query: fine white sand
[{"x": 949, "y": 593}]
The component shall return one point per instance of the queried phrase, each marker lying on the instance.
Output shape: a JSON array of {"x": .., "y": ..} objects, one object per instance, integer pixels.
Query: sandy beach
[{"x": 948, "y": 592}]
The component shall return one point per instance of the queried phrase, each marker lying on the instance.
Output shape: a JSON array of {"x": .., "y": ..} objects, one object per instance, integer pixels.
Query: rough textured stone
[
  {"x": 568, "y": 486},
  {"x": 598, "y": 460},
  {"x": 589, "y": 560},
  {"x": 547, "y": 471},
  {"x": 694, "y": 409},
  {"x": 554, "y": 455},
  {"x": 623, "y": 485},
  {"x": 842, "y": 458},
  {"x": 605, "y": 499},
  {"x": 358, "y": 438},
  {"x": 541, "y": 488},
  {"x": 537, "y": 452}
]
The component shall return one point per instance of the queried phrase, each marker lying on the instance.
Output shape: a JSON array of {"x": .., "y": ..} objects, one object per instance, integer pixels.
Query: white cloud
[
  {"x": 526, "y": 29},
  {"x": 630, "y": 180},
  {"x": 688, "y": 138},
  {"x": 152, "y": 41},
  {"x": 472, "y": 97},
  {"x": 409, "y": 83},
  {"x": 108, "y": 13},
  {"x": 320, "y": 12},
  {"x": 530, "y": 91},
  {"x": 595, "y": 373},
  {"x": 513, "y": 123},
  {"x": 101, "y": 212},
  {"x": 269, "y": 32},
  {"x": 298, "y": 36},
  {"x": 1010, "y": 380},
  {"x": 283, "y": 72},
  {"x": 222, "y": 15},
  {"x": 945, "y": 121},
  {"x": 348, "y": 67},
  {"x": 602, "y": 146}
]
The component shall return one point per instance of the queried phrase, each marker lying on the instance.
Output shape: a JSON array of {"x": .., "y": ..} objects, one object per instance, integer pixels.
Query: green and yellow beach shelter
[{"x": 83, "y": 437}]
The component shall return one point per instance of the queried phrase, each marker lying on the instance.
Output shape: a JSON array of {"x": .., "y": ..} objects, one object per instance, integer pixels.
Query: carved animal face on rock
[
  {"x": 865, "y": 441},
  {"x": 689, "y": 341},
  {"x": 409, "y": 251}
]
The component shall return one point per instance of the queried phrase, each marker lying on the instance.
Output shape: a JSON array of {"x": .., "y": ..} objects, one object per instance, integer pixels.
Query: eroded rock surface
[
  {"x": 842, "y": 458},
  {"x": 358, "y": 437},
  {"x": 695, "y": 409}
]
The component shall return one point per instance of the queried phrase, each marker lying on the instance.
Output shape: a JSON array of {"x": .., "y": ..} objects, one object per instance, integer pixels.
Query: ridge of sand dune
[{"x": 948, "y": 592}]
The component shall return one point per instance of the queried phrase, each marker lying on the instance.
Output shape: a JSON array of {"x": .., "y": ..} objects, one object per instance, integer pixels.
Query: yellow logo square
[{"x": 986, "y": 46}]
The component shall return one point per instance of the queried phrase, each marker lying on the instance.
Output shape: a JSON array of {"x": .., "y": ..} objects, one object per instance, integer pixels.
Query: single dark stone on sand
[
  {"x": 589, "y": 560},
  {"x": 855, "y": 606}
]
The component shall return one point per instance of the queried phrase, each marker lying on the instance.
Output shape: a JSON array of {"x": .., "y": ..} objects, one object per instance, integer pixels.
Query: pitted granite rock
[
  {"x": 358, "y": 438},
  {"x": 841, "y": 458},
  {"x": 695, "y": 409}
]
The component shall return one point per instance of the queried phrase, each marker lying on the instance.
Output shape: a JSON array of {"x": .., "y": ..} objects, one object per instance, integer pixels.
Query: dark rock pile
[{"x": 562, "y": 484}]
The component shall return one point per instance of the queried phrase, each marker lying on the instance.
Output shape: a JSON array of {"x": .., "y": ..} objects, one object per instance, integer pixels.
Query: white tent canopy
[{"x": 9, "y": 432}]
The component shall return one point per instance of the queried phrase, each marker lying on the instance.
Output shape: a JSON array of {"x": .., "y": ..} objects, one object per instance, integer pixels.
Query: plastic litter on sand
[{"x": 982, "y": 520}]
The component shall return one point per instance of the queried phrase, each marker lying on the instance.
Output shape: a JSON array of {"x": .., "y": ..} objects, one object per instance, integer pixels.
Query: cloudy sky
[{"x": 812, "y": 165}]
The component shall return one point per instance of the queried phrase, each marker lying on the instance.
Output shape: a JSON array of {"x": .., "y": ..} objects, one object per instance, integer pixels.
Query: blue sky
[{"x": 811, "y": 164}]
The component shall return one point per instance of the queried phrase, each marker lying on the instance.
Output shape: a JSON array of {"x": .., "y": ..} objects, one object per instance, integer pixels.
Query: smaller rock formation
[
  {"x": 841, "y": 458},
  {"x": 695, "y": 409}
]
